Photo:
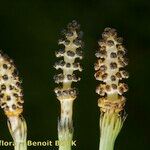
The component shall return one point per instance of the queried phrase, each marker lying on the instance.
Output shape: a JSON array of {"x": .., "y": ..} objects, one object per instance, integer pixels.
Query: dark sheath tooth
[
  {"x": 61, "y": 77},
  {"x": 120, "y": 53},
  {"x": 69, "y": 34},
  {"x": 15, "y": 73},
  {"x": 67, "y": 42},
  {"x": 6, "y": 108},
  {"x": 103, "y": 53},
  {"x": 56, "y": 78},
  {"x": 113, "y": 65},
  {"x": 14, "y": 106},
  {"x": 69, "y": 77},
  {"x": 126, "y": 61},
  {"x": 11, "y": 87},
  {"x": 65, "y": 92},
  {"x": 108, "y": 88},
  {"x": 68, "y": 65},
  {"x": 110, "y": 43},
  {"x": 77, "y": 42},
  {"x": 73, "y": 25},
  {"x": 125, "y": 87},
  {"x": 123, "y": 62},
  {"x": 79, "y": 52},
  {"x": 113, "y": 55},
  {"x": 105, "y": 35},
  {"x": 109, "y": 32},
  {"x": 102, "y": 42},
  {"x": 103, "y": 68},
  {"x": 113, "y": 32},
  {"x": 5, "y": 77},
  {"x": 56, "y": 64},
  {"x": 75, "y": 79},
  {"x": 103, "y": 48},
  {"x": 75, "y": 65},
  {"x": 58, "y": 91},
  {"x": 98, "y": 74},
  {"x": 15, "y": 95},
  {"x": 121, "y": 90},
  {"x": 104, "y": 76},
  {"x": 60, "y": 52},
  {"x": 125, "y": 74},
  {"x": 107, "y": 29},
  {"x": 113, "y": 78},
  {"x": 5, "y": 66},
  {"x": 100, "y": 90},
  {"x": 1, "y": 95},
  {"x": 62, "y": 63},
  {"x": 118, "y": 75},
  {"x": 119, "y": 47},
  {"x": 8, "y": 98},
  {"x": 70, "y": 53},
  {"x": 72, "y": 92},
  {"x": 3, "y": 104},
  {"x": 120, "y": 40},
  {"x": 20, "y": 105},
  {"x": 18, "y": 84},
  {"x": 114, "y": 86},
  {"x": 3, "y": 87}
]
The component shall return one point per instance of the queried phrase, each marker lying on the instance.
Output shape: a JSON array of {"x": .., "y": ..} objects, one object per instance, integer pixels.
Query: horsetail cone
[
  {"x": 110, "y": 71},
  {"x": 72, "y": 49},
  {"x": 70, "y": 53},
  {"x": 11, "y": 98}
]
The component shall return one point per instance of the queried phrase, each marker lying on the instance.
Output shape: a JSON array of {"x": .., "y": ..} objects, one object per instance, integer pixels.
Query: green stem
[
  {"x": 110, "y": 126},
  {"x": 65, "y": 135},
  {"x": 20, "y": 146},
  {"x": 18, "y": 129}
]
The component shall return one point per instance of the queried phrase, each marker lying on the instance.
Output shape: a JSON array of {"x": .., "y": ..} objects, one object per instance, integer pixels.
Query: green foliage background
[{"x": 29, "y": 31}]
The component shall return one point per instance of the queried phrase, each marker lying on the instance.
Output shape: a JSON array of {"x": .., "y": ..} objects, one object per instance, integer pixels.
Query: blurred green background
[{"x": 29, "y": 31}]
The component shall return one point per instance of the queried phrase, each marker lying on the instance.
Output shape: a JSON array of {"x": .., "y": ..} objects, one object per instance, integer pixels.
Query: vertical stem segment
[
  {"x": 18, "y": 129},
  {"x": 110, "y": 126},
  {"x": 20, "y": 146},
  {"x": 65, "y": 126}
]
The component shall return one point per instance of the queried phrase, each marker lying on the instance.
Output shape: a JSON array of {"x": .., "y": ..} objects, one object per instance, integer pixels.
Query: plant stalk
[{"x": 110, "y": 126}]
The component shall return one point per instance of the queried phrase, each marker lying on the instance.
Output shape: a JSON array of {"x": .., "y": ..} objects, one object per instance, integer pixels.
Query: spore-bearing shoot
[
  {"x": 11, "y": 96},
  {"x": 110, "y": 70},
  {"x": 70, "y": 52}
]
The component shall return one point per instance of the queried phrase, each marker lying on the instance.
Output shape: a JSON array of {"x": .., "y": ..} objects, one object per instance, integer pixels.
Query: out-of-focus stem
[
  {"x": 18, "y": 129},
  {"x": 20, "y": 146}
]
